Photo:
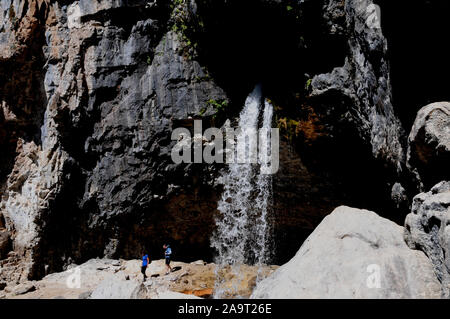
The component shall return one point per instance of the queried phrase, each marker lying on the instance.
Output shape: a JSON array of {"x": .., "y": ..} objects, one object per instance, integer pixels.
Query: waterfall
[
  {"x": 243, "y": 228},
  {"x": 264, "y": 191}
]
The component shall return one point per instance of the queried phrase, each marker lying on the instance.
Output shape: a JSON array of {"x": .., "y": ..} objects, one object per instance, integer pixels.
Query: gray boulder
[
  {"x": 426, "y": 229},
  {"x": 116, "y": 287},
  {"x": 24, "y": 288},
  {"x": 429, "y": 144},
  {"x": 353, "y": 254}
]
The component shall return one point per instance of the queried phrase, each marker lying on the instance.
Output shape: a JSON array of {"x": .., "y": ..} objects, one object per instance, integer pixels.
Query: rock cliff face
[
  {"x": 93, "y": 175},
  {"x": 429, "y": 144},
  {"x": 347, "y": 140},
  {"x": 90, "y": 92}
]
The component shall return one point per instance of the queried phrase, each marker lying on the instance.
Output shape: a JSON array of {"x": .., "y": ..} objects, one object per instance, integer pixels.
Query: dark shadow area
[
  {"x": 185, "y": 221},
  {"x": 8, "y": 147},
  {"x": 417, "y": 33},
  {"x": 247, "y": 42},
  {"x": 331, "y": 167}
]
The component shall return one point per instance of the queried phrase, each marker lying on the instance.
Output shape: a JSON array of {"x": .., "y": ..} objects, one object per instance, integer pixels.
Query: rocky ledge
[{"x": 122, "y": 279}]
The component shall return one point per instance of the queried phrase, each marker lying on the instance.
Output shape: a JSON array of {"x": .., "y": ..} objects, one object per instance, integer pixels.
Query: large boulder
[
  {"x": 116, "y": 287},
  {"x": 429, "y": 144},
  {"x": 427, "y": 229},
  {"x": 353, "y": 254}
]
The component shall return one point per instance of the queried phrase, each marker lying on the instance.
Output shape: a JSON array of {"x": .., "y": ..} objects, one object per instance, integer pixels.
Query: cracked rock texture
[
  {"x": 427, "y": 229},
  {"x": 429, "y": 144}
]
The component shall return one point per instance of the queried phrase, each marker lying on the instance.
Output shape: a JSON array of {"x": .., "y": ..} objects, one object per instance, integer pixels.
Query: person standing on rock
[
  {"x": 167, "y": 255},
  {"x": 145, "y": 262}
]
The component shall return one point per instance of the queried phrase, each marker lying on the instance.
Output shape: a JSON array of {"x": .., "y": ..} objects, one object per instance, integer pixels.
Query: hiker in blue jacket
[
  {"x": 167, "y": 254},
  {"x": 145, "y": 262}
]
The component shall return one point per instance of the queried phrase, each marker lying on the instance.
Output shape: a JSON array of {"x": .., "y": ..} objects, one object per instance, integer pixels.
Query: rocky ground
[{"x": 122, "y": 279}]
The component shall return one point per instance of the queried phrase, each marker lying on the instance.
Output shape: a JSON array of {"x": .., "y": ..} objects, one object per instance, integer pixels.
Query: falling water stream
[{"x": 243, "y": 228}]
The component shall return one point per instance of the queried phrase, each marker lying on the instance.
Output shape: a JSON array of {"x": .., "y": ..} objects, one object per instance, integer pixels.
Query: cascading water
[
  {"x": 243, "y": 228},
  {"x": 264, "y": 190}
]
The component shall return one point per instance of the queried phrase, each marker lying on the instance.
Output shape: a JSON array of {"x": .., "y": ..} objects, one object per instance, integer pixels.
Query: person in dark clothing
[
  {"x": 145, "y": 262},
  {"x": 167, "y": 255}
]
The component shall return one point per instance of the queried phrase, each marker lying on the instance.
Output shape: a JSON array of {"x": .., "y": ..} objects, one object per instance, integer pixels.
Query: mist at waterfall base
[{"x": 243, "y": 228}]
